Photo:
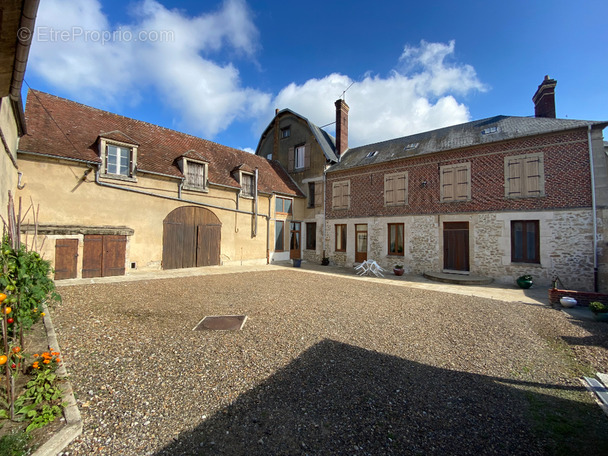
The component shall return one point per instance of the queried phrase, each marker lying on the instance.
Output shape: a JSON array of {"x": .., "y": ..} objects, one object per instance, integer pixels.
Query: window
[
  {"x": 285, "y": 132},
  {"x": 118, "y": 160},
  {"x": 300, "y": 152},
  {"x": 395, "y": 189},
  {"x": 340, "y": 238},
  {"x": 311, "y": 236},
  {"x": 279, "y": 236},
  {"x": 315, "y": 194},
  {"x": 395, "y": 239},
  {"x": 247, "y": 185},
  {"x": 283, "y": 205},
  {"x": 524, "y": 176},
  {"x": 455, "y": 182},
  {"x": 525, "y": 245},
  {"x": 196, "y": 174},
  {"x": 341, "y": 195},
  {"x": 311, "y": 194},
  {"x": 298, "y": 158}
]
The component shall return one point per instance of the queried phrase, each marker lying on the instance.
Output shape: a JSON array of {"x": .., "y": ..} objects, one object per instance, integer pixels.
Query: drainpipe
[
  {"x": 180, "y": 188},
  {"x": 255, "y": 198},
  {"x": 268, "y": 231},
  {"x": 594, "y": 210},
  {"x": 324, "y": 209}
]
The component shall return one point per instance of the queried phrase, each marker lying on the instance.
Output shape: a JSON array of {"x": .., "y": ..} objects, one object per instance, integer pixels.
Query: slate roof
[
  {"x": 325, "y": 140},
  {"x": 66, "y": 129},
  {"x": 484, "y": 131}
]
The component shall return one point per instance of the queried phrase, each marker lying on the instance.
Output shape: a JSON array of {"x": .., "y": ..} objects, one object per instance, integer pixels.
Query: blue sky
[{"x": 218, "y": 69}]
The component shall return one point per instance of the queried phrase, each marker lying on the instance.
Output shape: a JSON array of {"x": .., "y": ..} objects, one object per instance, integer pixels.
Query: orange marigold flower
[
  {"x": 58, "y": 360},
  {"x": 35, "y": 365},
  {"x": 46, "y": 361},
  {"x": 36, "y": 355},
  {"x": 55, "y": 353}
]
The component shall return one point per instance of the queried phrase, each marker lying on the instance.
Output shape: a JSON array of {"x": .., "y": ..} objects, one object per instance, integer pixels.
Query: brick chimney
[
  {"x": 544, "y": 99},
  {"x": 341, "y": 127}
]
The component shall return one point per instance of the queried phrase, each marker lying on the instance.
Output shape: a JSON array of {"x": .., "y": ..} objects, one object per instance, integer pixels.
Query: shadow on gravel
[{"x": 337, "y": 399}]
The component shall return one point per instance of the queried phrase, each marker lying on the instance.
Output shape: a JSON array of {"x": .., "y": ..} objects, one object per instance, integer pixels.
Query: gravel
[{"x": 323, "y": 365}]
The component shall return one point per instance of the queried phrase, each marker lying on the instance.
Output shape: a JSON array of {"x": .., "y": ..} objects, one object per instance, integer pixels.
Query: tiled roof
[
  {"x": 64, "y": 128},
  {"x": 484, "y": 131}
]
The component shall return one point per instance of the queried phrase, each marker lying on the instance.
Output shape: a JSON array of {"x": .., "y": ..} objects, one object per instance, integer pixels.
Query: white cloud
[
  {"x": 163, "y": 49},
  {"x": 418, "y": 96}
]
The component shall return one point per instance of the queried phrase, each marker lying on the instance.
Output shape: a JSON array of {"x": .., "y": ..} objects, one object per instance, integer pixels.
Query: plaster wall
[{"x": 8, "y": 170}]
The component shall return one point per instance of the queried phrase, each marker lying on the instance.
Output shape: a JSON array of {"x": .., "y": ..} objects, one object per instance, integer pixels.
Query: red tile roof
[{"x": 66, "y": 129}]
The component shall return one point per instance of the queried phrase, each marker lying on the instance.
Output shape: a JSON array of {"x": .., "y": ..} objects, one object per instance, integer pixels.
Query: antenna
[{"x": 343, "y": 93}]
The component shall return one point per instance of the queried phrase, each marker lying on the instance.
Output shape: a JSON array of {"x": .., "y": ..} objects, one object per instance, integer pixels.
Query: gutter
[
  {"x": 24, "y": 41},
  {"x": 594, "y": 211},
  {"x": 172, "y": 198}
]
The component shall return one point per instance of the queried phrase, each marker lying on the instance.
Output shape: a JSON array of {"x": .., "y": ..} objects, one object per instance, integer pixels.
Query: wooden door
[
  {"x": 191, "y": 238},
  {"x": 66, "y": 258},
  {"x": 103, "y": 255},
  {"x": 295, "y": 237},
  {"x": 456, "y": 246},
  {"x": 92, "y": 254},
  {"x": 208, "y": 245},
  {"x": 360, "y": 243}
]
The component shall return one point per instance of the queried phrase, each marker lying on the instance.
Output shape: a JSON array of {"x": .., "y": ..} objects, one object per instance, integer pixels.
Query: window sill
[
  {"x": 523, "y": 263},
  {"x": 195, "y": 189},
  {"x": 119, "y": 177}
]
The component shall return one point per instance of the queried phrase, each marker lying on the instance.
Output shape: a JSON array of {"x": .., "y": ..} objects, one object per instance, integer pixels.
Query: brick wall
[
  {"x": 566, "y": 169},
  {"x": 582, "y": 298}
]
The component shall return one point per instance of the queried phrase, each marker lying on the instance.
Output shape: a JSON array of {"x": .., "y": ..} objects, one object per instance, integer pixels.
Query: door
[
  {"x": 191, "y": 238},
  {"x": 66, "y": 258},
  {"x": 103, "y": 255},
  {"x": 456, "y": 246},
  {"x": 360, "y": 243},
  {"x": 295, "y": 236}
]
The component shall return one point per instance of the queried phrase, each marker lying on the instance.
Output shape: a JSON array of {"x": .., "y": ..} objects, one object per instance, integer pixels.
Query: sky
[{"x": 219, "y": 69}]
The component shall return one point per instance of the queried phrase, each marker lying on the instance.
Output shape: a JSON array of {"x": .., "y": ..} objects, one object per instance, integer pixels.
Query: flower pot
[
  {"x": 524, "y": 283},
  {"x": 297, "y": 262},
  {"x": 567, "y": 301},
  {"x": 325, "y": 261},
  {"x": 398, "y": 272}
]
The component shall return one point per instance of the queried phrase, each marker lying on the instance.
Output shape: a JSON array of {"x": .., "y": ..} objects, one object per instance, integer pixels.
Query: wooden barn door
[
  {"x": 103, "y": 255},
  {"x": 66, "y": 258},
  {"x": 191, "y": 238},
  {"x": 456, "y": 246}
]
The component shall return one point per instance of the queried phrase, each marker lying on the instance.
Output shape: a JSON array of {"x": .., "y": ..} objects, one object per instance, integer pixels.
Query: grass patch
[{"x": 15, "y": 444}]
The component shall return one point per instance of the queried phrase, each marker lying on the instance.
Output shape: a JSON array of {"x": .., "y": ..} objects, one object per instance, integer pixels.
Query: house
[
  {"x": 305, "y": 151},
  {"x": 118, "y": 195},
  {"x": 16, "y": 18},
  {"x": 498, "y": 197}
]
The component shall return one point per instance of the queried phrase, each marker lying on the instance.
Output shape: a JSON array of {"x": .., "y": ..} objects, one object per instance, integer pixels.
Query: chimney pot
[{"x": 544, "y": 99}]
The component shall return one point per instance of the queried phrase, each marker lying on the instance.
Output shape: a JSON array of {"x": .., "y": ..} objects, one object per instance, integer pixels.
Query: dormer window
[
  {"x": 247, "y": 185},
  {"x": 118, "y": 158},
  {"x": 285, "y": 132},
  {"x": 195, "y": 173}
]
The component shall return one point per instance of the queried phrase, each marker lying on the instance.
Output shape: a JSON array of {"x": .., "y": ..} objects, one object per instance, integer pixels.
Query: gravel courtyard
[{"x": 324, "y": 365}]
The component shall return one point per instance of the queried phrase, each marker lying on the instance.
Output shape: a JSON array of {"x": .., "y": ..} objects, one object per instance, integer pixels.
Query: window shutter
[
  {"x": 401, "y": 189},
  {"x": 514, "y": 177},
  {"x": 336, "y": 195},
  {"x": 346, "y": 195},
  {"x": 447, "y": 184},
  {"x": 307, "y": 156},
  {"x": 290, "y": 159},
  {"x": 533, "y": 181},
  {"x": 461, "y": 187},
  {"x": 389, "y": 189},
  {"x": 318, "y": 194}
]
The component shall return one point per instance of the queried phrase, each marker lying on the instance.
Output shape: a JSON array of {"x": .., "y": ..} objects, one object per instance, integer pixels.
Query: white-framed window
[
  {"x": 455, "y": 181},
  {"x": 299, "y": 158},
  {"x": 300, "y": 154},
  {"x": 118, "y": 160},
  {"x": 524, "y": 176}
]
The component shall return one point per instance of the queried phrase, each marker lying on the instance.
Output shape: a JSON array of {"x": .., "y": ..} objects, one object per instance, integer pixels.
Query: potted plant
[
  {"x": 600, "y": 311},
  {"x": 324, "y": 261},
  {"x": 525, "y": 281},
  {"x": 398, "y": 270}
]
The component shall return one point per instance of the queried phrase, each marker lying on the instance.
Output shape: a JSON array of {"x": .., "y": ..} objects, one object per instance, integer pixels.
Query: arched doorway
[{"x": 191, "y": 238}]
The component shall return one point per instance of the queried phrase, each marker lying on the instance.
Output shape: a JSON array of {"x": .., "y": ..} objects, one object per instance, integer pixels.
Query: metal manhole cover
[{"x": 221, "y": 323}]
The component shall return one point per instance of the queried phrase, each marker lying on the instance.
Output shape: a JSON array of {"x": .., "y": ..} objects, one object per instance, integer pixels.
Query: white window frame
[
  {"x": 299, "y": 157},
  {"x": 129, "y": 149}
]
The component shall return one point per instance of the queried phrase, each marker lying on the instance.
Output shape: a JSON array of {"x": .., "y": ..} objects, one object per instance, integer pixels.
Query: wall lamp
[{"x": 423, "y": 184}]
